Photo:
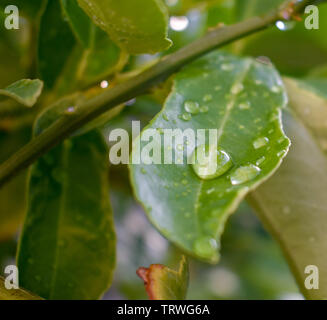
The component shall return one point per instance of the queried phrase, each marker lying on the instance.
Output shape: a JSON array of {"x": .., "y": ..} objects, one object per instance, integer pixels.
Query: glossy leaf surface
[
  {"x": 241, "y": 99},
  {"x": 139, "y": 26}
]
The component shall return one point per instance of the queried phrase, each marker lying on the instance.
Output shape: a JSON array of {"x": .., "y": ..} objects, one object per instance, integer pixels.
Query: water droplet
[
  {"x": 70, "y": 110},
  {"x": 210, "y": 162},
  {"x": 206, "y": 247},
  {"x": 260, "y": 161},
  {"x": 260, "y": 142},
  {"x": 244, "y": 174},
  {"x": 244, "y": 106},
  {"x": 210, "y": 190},
  {"x": 281, "y": 153},
  {"x": 204, "y": 109},
  {"x": 179, "y": 23},
  {"x": 207, "y": 98},
  {"x": 184, "y": 182},
  {"x": 237, "y": 88},
  {"x": 227, "y": 67},
  {"x": 192, "y": 107},
  {"x": 104, "y": 84},
  {"x": 186, "y": 116},
  {"x": 285, "y": 25}
]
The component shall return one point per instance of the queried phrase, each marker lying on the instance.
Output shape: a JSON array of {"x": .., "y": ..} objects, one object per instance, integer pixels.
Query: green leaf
[
  {"x": 86, "y": 53},
  {"x": 24, "y": 91},
  {"x": 139, "y": 26},
  {"x": 56, "y": 41},
  {"x": 163, "y": 283},
  {"x": 13, "y": 194},
  {"x": 67, "y": 247},
  {"x": 79, "y": 21},
  {"x": 251, "y": 8},
  {"x": 18, "y": 294},
  {"x": 241, "y": 98},
  {"x": 293, "y": 202},
  {"x": 308, "y": 99}
]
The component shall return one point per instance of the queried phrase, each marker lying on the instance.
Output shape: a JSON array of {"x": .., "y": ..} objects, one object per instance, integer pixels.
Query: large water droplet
[
  {"x": 192, "y": 107},
  {"x": 210, "y": 162},
  {"x": 260, "y": 142},
  {"x": 206, "y": 247},
  {"x": 244, "y": 174}
]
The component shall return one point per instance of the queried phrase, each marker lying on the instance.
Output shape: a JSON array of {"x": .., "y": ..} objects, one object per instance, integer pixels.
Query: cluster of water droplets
[{"x": 193, "y": 108}]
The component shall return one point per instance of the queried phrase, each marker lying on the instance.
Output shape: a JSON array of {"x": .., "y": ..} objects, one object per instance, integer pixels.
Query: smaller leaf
[
  {"x": 139, "y": 26},
  {"x": 163, "y": 283},
  {"x": 18, "y": 294},
  {"x": 79, "y": 21},
  {"x": 24, "y": 91}
]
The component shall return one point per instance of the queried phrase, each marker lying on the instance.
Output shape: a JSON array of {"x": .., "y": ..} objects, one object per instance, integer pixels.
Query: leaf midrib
[
  {"x": 65, "y": 160},
  {"x": 229, "y": 108}
]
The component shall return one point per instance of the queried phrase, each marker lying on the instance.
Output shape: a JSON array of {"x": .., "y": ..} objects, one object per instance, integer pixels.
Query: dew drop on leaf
[
  {"x": 209, "y": 162},
  {"x": 237, "y": 88},
  {"x": 260, "y": 142},
  {"x": 260, "y": 161},
  {"x": 192, "y": 107},
  {"x": 244, "y": 106},
  {"x": 186, "y": 116},
  {"x": 204, "y": 109},
  {"x": 244, "y": 174},
  {"x": 207, "y": 98},
  {"x": 206, "y": 247},
  {"x": 227, "y": 67}
]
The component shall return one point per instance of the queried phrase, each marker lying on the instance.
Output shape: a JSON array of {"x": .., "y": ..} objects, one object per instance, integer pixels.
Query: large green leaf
[
  {"x": 139, "y": 26},
  {"x": 18, "y": 294},
  {"x": 293, "y": 202},
  {"x": 241, "y": 98},
  {"x": 24, "y": 91},
  {"x": 163, "y": 283},
  {"x": 67, "y": 247}
]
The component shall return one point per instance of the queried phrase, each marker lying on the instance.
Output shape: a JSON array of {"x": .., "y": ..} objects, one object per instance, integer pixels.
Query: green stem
[{"x": 136, "y": 86}]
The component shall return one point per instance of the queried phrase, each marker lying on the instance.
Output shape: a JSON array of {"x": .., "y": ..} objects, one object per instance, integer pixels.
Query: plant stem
[{"x": 135, "y": 86}]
